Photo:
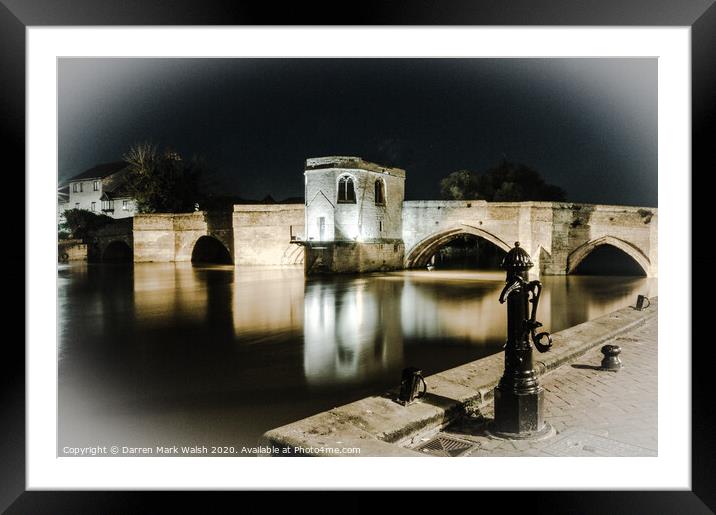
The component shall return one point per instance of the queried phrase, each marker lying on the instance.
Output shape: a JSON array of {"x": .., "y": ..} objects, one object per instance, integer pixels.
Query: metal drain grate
[{"x": 446, "y": 446}]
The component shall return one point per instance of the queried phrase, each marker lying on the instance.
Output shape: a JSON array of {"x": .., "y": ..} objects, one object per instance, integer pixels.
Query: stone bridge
[
  {"x": 178, "y": 237},
  {"x": 557, "y": 235},
  {"x": 113, "y": 242},
  {"x": 251, "y": 235}
]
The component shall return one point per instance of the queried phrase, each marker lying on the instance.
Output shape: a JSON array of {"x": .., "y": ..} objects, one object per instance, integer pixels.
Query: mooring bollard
[
  {"x": 518, "y": 397},
  {"x": 611, "y": 359},
  {"x": 640, "y": 302},
  {"x": 409, "y": 384}
]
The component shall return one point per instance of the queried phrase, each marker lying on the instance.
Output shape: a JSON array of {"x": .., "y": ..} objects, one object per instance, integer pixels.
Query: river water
[{"x": 163, "y": 354}]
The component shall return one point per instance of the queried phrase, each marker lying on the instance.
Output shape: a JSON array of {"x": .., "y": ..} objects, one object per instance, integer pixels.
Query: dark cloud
[{"x": 588, "y": 125}]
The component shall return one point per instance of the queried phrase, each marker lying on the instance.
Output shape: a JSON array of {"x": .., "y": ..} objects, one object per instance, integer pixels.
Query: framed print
[{"x": 494, "y": 206}]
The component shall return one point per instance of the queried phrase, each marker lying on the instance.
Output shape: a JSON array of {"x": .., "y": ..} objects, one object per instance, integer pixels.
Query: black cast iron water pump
[
  {"x": 532, "y": 291},
  {"x": 518, "y": 396}
]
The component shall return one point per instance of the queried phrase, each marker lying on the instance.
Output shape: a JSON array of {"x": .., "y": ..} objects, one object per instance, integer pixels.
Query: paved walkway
[{"x": 595, "y": 413}]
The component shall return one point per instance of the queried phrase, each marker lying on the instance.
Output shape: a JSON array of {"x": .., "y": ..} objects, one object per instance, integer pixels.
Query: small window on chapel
[
  {"x": 379, "y": 193},
  {"x": 346, "y": 190}
]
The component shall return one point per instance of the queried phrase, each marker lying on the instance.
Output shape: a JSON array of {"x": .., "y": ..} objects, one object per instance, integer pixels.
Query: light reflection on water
[{"x": 217, "y": 355}]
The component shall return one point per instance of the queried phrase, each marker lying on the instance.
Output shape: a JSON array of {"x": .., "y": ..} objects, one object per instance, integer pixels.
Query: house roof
[
  {"x": 98, "y": 172},
  {"x": 115, "y": 195},
  {"x": 63, "y": 194},
  {"x": 115, "y": 185}
]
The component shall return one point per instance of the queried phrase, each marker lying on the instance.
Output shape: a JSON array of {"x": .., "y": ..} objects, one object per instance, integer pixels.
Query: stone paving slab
[
  {"x": 594, "y": 412},
  {"x": 374, "y": 423}
]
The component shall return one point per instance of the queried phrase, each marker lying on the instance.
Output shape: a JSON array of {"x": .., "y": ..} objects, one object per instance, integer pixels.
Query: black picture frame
[{"x": 16, "y": 15}]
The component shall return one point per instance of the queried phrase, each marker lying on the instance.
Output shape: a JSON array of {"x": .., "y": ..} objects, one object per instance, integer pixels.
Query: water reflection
[
  {"x": 221, "y": 354},
  {"x": 460, "y": 305},
  {"x": 268, "y": 302},
  {"x": 352, "y": 330}
]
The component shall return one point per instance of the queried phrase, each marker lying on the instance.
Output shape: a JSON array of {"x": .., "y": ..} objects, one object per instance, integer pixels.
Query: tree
[
  {"x": 162, "y": 182},
  {"x": 63, "y": 232},
  {"x": 460, "y": 185},
  {"x": 80, "y": 223},
  {"x": 506, "y": 182}
]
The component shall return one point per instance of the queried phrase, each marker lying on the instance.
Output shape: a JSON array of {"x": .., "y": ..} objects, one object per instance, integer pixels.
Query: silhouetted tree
[
  {"x": 163, "y": 182},
  {"x": 506, "y": 182},
  {"x": 459, "y": 185}
]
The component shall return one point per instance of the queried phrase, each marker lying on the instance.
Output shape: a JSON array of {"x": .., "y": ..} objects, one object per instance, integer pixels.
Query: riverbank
[
  {"x": 594, "y": 413},
  {"x": 378, "y": 426}
]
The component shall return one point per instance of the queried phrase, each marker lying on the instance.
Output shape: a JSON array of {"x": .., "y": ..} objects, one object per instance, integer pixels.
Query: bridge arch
[
  {"x": 117, "y": 251},
  {"x": 421, "y": 252},
  {"x": 580, "y": 253},
  {"x": 293, "y": 255},
  {"x": 208, "y": 249}
]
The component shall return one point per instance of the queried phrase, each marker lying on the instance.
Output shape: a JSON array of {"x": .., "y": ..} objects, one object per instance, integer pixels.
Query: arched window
[
  {"x": 379, "y": 193},
  {"x": 346, "y": 190}
]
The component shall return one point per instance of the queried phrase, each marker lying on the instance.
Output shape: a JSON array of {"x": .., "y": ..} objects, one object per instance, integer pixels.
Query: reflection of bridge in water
[
  {"x": 351, "y": 328},
  {"x": 355, "y": 328},
  {"x": 360, "y": 328},
  {"x": 238, "y": 350}
]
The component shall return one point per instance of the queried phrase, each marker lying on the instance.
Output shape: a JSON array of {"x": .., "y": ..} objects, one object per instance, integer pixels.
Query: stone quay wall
[
  {"x": 379, "y": 426},
  {"x": 71, "y": 250}
]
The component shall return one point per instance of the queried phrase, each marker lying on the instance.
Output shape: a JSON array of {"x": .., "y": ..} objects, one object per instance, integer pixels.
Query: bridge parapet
[
  {"x": 552, "y": 232},
  {"x": 166, "y": 237},
  {"x": 558, "y": 235}
]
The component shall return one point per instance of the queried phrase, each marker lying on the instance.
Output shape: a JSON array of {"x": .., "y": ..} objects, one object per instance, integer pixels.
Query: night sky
[{"x": 588, "y": 125}]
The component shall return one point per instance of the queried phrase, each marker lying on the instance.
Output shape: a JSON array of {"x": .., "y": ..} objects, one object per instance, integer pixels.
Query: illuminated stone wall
[
  {"x": 558, "y": 235},
  {"x": 364, "y": 235},
  {"x": 354, "y": 257},
  {"x": 171, "y": 237},
  {"x": 154, "y": 238},
  {"x": 361, "y": 236},
  {"x": 263, "y": 234},
  {"x": 362, "y": 221}
]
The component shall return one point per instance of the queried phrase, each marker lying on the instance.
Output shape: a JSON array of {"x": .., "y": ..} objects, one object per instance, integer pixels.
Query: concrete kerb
[{"x": 378, "y": 426}]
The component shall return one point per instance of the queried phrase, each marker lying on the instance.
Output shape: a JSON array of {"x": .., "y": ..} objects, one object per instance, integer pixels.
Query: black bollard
[
  {"x": 640, "y": 300},
  {"x": 611, "y": 359},
  {"x": 519, "y": 398},
  {"x": 409, "y": 384}
]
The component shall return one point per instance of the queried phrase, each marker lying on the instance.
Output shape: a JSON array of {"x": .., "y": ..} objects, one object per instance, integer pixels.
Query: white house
[{"x": 99, "y": 190}]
